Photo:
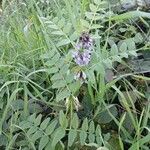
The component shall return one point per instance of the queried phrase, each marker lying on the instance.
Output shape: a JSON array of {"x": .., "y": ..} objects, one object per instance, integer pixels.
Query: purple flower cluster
[
  {"x": 82, "y": 56},
  {"x": 86, "y": 41}
]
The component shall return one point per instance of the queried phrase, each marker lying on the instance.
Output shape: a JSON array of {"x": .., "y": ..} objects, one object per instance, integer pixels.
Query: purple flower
[
  {"x": 82, "y": 55},
  {"x": 79, "y": 46},
  {"x": 82, "y": 58},
  {"x": 86, "y": 41}
]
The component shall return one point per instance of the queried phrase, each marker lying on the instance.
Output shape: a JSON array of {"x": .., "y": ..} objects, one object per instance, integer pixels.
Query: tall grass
[{"x": 42, "y": 106}]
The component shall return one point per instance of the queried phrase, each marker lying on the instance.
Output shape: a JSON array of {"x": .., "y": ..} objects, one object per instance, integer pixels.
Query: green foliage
[
  {"x": 62, "y": 29},
  {"x": 43, "y": 106},
  {"x": 49, "y": 132},
  {"x": 61, "y": 76}
]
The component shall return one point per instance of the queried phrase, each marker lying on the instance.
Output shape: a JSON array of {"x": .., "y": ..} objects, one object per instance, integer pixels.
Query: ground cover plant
[{"x": 75, "y": 75}]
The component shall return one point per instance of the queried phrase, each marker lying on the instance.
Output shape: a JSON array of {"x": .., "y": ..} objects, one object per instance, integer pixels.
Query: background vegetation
[{"x": 48, "y": 101}]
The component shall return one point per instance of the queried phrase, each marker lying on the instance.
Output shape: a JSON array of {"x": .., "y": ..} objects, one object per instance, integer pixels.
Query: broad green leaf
[
  {"x": 17, "y": 105},
  {"x": 85, "y": 23},
  {"x": 52, "y": 70},
  {"x": 98, "y": 135},
  {"x": 105, "y": 54},
  {"x": 53, "y": 60},
  {"x": 63, "y": 120},
  {"x": 60, "y": 63},
  {"x": 131, "y": 44},
  {"x": 61, "y": 22},
  {"x": 59, "y": 84},
  {"x": 91, "y": 138},
  {"x": 36, "y": 136},
  {"x": 44, "y": 124},
  {"x": 91, "y": 127},
  {"x": 69, "y": 78},
  {"x": 49, "y": 146},
  {"x": 85, "y": 124},
  {"x": 32, "y": 130},
  {"x": 91, "y": 76},
  {"x": 83, "y": 136},
  {"x": 62, "y": 95},
  {"x": 37, "y": 121},
  {"x": 74, "y": 87},
  {"x": 104, "y": 116},
  {"x": 124, "y": 55},
  {"x": 55, "y": 20},
  {"x": 133, "y": 53},
  {"x": 32, "y": 117},
  {"x": 51, "y": 127},
  {"x": 123, "y": 47},
  {"x": 116, "y": 58},
  {"x": 56, "y": 76},
  {"x": 63, "y": 42},
  {"x": 74, "y": 36},
  {"x": 67, "y": 28},
  {"x": 25, "y": 124},
  {"x": 35, "y": 107},
  {"x": 43, "y": 142},
  {"x": 60, "y": 146},
  {"x": 71, "y": 137},
  {"x": 3, "y": 140},
  {"x": 99, "y": 68},
  {"x": 93, "y": 16},
  {"x": 138, "y": 38},
  {"x": 128, "y": 124},
  {"x": 75, "y": 121},
  {"x": 93, "y": 7},
  {"x": 129, "y": 97},
  {"x": 57, "y": 33},
  {"x": 52, "y": 26},
  {"x": 96, "y": 26},
  {"x": 108, "y": 63},
  {"x": 64, "y": 68},
  {"x": 114, "y": 50},
  {"x": 58, "y": 135}
]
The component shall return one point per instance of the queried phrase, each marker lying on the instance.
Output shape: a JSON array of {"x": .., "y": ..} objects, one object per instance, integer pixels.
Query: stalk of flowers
[{"x": 82, "y": 55}]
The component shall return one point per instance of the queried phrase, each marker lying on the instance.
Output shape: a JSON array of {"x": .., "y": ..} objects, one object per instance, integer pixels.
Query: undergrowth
[{"x": 71, "y": 76}]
